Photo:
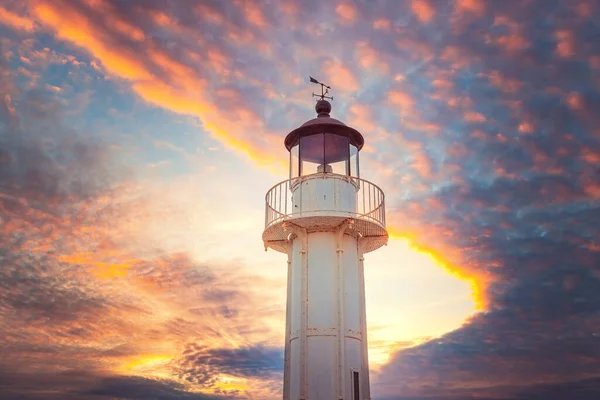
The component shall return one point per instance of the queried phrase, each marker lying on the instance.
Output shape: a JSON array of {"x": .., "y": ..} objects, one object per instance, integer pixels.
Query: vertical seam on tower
[
  {"x": 364, "y": 347},
  {"x": 304, "y": 316},
  {"x": 341, "y": 382},
  {"x": 288, "y": 323}
]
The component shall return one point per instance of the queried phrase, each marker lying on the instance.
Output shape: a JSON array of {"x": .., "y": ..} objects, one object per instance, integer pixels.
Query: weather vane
[{"x": 324, "y": 89}]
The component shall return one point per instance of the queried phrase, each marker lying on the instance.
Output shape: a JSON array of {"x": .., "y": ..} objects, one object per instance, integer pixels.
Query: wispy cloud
[{"x": 120, "y": 280}]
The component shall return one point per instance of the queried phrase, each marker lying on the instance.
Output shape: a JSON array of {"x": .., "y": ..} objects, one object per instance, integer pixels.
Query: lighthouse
[{"x": 325, "y": 218}]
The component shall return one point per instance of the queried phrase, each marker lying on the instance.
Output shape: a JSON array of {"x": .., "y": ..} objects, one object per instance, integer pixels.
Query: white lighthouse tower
[{"x": 325, "y": 218}]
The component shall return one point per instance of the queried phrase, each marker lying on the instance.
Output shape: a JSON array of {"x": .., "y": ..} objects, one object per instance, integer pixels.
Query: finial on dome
[{"x": 323, "y": 108}]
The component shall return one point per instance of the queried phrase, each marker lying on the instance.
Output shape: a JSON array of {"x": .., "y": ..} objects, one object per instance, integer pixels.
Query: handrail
[{"x": 370, "y": 200}]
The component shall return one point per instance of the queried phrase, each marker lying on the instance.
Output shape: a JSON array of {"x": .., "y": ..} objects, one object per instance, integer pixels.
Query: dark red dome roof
[{"x": 324, "y": 124}]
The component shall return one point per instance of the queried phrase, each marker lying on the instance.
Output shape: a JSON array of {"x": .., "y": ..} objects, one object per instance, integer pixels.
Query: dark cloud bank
[{"x": 526, "y": 213}]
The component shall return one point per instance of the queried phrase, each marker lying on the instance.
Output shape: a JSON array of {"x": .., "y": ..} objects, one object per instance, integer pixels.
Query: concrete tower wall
[
  {"x": 318, "y": 194},
  {"x": 325, "y": 299}
]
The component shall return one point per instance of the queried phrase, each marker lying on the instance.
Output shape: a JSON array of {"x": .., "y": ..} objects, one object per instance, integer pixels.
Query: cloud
[
  {"x": 423, "y": 10},
  {"x": 86, "y": 386},
  {"x": 346, "y": 12},
  {"x": 480, "y": 123},
  {"x": 160, "y": 77},
  {"x": 340, "y": 76},
  {"x": 474, "y": 6},
  {"x": 492, "y": 356},
  {"x": 82, "y": 274},
  {"x": 516, "y": 214},
  {"x": 201, "y": 365},
  {"x": 141, "y": 388},
  {"x": 29, "y": 159},
  {"x": 16, "y": 21}
]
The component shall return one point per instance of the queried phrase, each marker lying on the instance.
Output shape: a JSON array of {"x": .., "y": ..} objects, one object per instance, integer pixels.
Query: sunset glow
[{"x": 138, "y": 139}]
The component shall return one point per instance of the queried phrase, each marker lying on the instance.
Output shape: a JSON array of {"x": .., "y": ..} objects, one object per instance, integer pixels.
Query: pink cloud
[
  {"x": 16, "y": 21},
  {"x": 252, "y": 12},
  {"x": 565, "y": 46},
  {"x": 423, "y": 10},
  {"x": 472, "y": 116},
  {"x": 340, "y": 76},
  {"x": 474, "y": 6},
  {"x": 402, "y": 99},
  {"x": 383, "y": 24},
  {"x": 369, "y": 58},
  {"x": 347, "y": 12}
]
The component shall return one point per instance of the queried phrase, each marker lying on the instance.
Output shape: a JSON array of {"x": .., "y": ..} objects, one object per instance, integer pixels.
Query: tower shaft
[{"x": 325, "y": 348}]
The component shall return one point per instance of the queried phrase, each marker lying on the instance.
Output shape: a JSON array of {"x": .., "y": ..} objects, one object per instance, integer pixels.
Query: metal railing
[{"x": 284, "y": 199}]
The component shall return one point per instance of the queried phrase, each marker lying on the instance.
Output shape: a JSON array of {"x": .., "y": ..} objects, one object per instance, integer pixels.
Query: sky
[{"x": 138, "y": 140}]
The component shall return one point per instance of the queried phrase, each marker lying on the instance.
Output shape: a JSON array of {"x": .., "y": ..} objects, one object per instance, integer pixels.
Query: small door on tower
[{"x": 355, "y": 385}]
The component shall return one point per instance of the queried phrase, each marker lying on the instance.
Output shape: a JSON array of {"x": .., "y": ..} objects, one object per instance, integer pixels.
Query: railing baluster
[
  {"x": 370, "y": 207},
  {"x": 281, "y": 198},
  {"x": 363, "y": 196},
  {"x": 300, "y": 206},
  {"x": 286, "y": 196},
  {"x": 378, "y": 203},
  {"x": 375, "y": 200},
  {"x": 373, "y": 212}
]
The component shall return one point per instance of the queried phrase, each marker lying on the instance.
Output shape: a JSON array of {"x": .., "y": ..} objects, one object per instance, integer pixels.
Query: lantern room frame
[{"x": 320, "y": 131}]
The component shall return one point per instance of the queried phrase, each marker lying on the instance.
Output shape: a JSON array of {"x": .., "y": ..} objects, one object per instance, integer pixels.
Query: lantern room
[{"x": 324, "y": 145}]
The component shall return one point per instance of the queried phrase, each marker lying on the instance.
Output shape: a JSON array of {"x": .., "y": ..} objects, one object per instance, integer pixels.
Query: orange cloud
[
  {"x": 289, "y": 8},
  {"x": 9, "y": 105},
  {"x": 457, "y": 57},
  {"x": 565, "y": 46},
  {"x": 512, "y": 43},
  {"x": 118, "y": 23},
  {"x": 128, "y": 30},
  {"x": 368, "y": 58},
  {"x": 575, "y": 101},
  {"x": 592, "y": 189},
  {"x": 422, "y": 164},
  {"x": 160, "y": 18},
  {"x": 253, "y": 13},
  {"x": 505, "y": 84},
  {"x": 472, "y": 116},
  {"x": 361, "y": 117},
  {"x": 15, "y": 21},
  {"x": 526, "y": 127},
  {"x": 218, "y": 60},
  {"x": 346, "y": 12},
  {"x": 74, "y": 27},
  {"x": 115, "y": 289},
  {"x": 402, "y": 99},
  {"x": 340, "y": 76},
  {"x": 209, "y": 14},
  {"x": 179, "y": 88},
  {"x": 457, "y": 150},
  {"x": 102, "y": 269},
  {"x": 443, "y": 83},
  {"x": 584, "y": 9},
  {"x": 384, "y": 24},
  {"x": 477, "y": 282},
  {"x": 474, "y": 6},
  {"x": 423, "y": 10},
  {"x": 590, "y": 156}
]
